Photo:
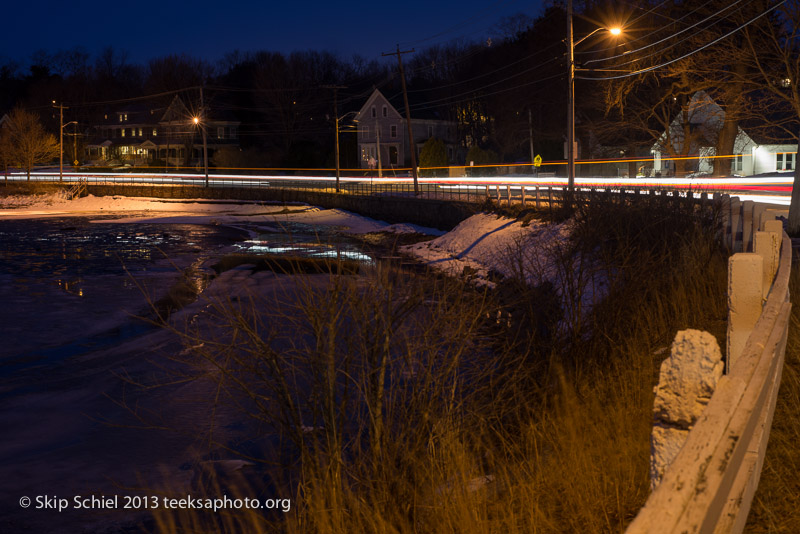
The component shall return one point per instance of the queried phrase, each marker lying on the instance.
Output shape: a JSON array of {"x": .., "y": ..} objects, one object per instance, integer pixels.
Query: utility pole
[
  {"x": 412, "y": 147},
  {"x": 203, "y": 130},
  {"x": 60, "y": 140},
  {"x": 336, "y": 123},
  {"x": 530, "y": 137},
  {"x": 571, "y": 106},
  {"x": 378, "y": 147}
]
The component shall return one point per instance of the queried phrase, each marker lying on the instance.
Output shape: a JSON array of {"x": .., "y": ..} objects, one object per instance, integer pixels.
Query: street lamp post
[
  {"x": 205, "y": 146},
  {"x": 61, "y": 125},
  {"x": 336, "y": 120},
  {"x": 571, "y": 92}
]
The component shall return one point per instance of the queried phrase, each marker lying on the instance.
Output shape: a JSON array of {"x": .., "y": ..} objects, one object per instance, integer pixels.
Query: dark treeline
[{"x": 502, "y": 92}]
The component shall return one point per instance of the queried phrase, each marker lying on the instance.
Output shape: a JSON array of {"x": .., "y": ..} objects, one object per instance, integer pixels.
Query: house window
[
  {"x": 393, "y": 130},
  {"x": 123, "y": 132},
  {"x": 784, "y": 161},
  {"x": 737, "y": 163},
  {"x": 140, "y": 132},
  {"x": 155, "y": 132},
  {"x": 126, "y": 116},
  {"x": 120, "y": 117},
  {"x": 233, "y": 132},
  {"x": 385, "y": 111},
  {"x": 220, "y": 132},
  {"x": 374, "y": 114}
]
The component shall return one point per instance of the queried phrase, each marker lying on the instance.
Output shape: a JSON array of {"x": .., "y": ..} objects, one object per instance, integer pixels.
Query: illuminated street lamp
[
  {"x": 196, "y": 120},
  {"x": 571, "y": 107}
]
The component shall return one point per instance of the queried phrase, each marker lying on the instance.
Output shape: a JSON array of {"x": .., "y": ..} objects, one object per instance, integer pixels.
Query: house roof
[{"x": 397, "y": 105}]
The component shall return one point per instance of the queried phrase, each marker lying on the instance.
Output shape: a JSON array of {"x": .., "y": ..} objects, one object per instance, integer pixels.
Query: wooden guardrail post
[
  {"x": 523, "y": 196},
  {"x": 538, "y": 199},
  {"x": 747, "y": 226},
  {"x": 745, "y": 293},
  {"x": 508, "y": 194},
  {"x": 736, "y": 224},
  {"x": 768, "y": 247}
]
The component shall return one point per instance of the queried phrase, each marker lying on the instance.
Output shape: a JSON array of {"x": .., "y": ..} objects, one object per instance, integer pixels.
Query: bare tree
[
  {"x": 5, "y": 150},
  {"x": 27, "y": 141}
]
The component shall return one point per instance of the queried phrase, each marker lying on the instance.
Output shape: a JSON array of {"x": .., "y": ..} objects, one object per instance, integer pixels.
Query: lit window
[
  {"x": 123, "y": 132},
  {"x": 140, "y": 132},
  {"x": 120, "y": 118},
  {"x": 126, "y": 116},
  {"x": 155, "y": 132},
  {"x": 393, "y": 130}
]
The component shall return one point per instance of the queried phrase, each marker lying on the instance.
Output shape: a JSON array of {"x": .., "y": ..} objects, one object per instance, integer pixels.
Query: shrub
[
  {"x": 478, "y": 157},
  {"x": 433, "y": 154}
]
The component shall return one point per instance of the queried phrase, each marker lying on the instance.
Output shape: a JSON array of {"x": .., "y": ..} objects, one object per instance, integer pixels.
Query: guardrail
[{"x": 709, "y": 486}]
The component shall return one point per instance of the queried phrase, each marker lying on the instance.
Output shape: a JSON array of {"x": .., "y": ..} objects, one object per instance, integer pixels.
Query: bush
[
  {"x": 478, "y": 157},
  {"x": 433, "y": 154}
]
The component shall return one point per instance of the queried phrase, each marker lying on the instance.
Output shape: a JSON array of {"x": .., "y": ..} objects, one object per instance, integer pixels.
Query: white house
[
  {"x": 383, "y": 134},
  {"x": 705, "y": 121}
]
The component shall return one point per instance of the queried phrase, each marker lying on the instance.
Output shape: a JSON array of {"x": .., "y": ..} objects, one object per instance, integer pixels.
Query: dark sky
[{"x": 209, "y": 29}]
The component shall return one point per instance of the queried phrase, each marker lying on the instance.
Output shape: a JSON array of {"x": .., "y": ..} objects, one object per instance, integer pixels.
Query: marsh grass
[{"x": 416, "y": 404}]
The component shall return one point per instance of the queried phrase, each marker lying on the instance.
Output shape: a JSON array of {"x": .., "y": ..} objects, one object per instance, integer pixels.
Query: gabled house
[
  {"x": 140, "y": 134},
  {"x": 383, "y": 134},
  {"x": 751, "y": 154}
]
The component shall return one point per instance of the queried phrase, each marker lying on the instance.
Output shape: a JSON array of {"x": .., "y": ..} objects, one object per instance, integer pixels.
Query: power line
[
  {"x": 715, "y": 41},
  {"x": 667, "y": 39}
]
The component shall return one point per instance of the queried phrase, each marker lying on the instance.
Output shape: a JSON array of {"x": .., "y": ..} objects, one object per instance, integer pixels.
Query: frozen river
[{"x": 71, "y": 291}]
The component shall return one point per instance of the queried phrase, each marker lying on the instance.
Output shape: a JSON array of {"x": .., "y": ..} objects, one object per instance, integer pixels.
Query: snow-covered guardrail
[{"x": 709, "y": 486}]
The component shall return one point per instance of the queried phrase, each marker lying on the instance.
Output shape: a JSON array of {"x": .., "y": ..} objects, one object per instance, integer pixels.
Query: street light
[
  {"x": 196, "y": 120},
  {"x": 571, "y": 107},
  {"x": 337, "y": 119}
]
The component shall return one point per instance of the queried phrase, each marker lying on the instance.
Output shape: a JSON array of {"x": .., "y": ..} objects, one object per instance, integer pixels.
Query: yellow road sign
[{"x": 537, "y": 161}]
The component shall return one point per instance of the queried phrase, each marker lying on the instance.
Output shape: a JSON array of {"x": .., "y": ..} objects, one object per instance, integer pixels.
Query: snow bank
[
  {"x": 487, "y": 243},
  {"x": 194, "y": 211}
]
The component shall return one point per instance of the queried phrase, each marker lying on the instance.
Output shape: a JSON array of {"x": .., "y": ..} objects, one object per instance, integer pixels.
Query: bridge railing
[{"x": 709, "y": 486}]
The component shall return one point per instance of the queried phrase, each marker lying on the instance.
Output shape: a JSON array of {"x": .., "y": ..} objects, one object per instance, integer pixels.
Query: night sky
[{"x": 209, "y": 29}]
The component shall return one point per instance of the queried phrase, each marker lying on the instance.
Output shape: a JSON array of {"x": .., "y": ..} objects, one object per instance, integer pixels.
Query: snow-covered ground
[{"x": 485, "y": 244}]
